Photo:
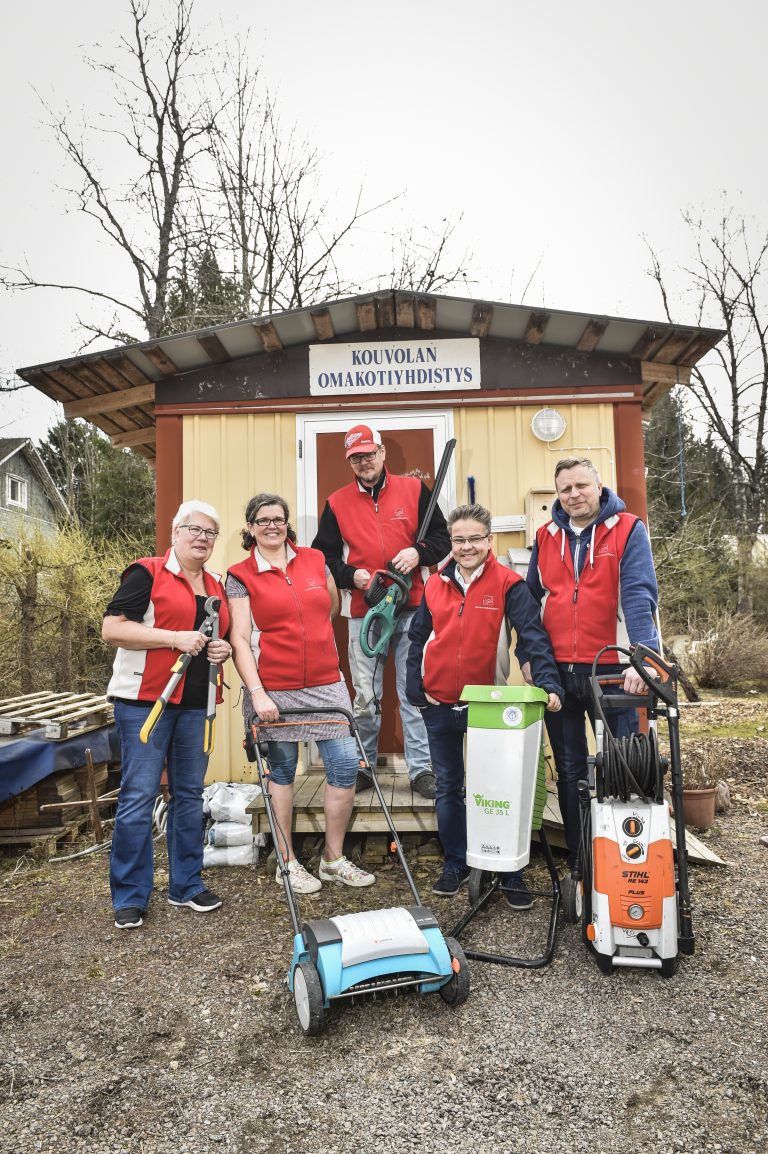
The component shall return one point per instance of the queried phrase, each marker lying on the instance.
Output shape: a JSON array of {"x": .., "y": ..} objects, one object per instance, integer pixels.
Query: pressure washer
[
  {"x": 367, "y": 953},
  {"x": 634, "y": 907},
  {"x": 388, "y": 591}
]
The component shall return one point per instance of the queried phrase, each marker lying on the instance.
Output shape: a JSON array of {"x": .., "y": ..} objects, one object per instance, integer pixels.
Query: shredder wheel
[{"x": 480, "y": 881}]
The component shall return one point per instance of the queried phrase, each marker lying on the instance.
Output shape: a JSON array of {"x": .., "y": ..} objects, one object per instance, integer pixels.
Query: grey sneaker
[
  {"x": 302, "y": 881},
  {"x": 344, "y": 872},
  {"x": 450, "y": 881},
  {"x": 516, "y": 891}
]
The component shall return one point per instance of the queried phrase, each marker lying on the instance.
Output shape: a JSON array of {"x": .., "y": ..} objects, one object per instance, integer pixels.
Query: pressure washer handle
[
  {"x": 627, "y": 701},
  {"x": 664, "y": 685}
]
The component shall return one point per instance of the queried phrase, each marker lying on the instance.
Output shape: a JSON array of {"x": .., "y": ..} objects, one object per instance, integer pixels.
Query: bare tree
[
  {"x": 283, "y": 238},
  {"x": 222, "y": 215},
  {"x": 727, "y": 278},
  {"x": 422, "y": 260},
  {"x": 164, "y": 122}
]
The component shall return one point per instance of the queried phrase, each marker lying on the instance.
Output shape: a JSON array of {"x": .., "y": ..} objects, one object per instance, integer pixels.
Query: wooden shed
[{"x": 263, "y": 403}]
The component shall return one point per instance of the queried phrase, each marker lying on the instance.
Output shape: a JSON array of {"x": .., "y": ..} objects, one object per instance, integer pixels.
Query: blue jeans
[
  {"x": 364, "y": 708},
  {"x": 567, "y": 735},
  {"x": 446, "y": 727},
  {"x": 339, "y": 754},
  {"x": 177, "y": 740}
]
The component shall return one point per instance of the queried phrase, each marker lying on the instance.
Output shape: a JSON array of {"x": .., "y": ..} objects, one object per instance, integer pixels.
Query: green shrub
[{"x": 53, "y": 592}]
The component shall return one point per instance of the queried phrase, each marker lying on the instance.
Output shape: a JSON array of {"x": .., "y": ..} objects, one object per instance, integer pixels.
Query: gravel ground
[{"x": 181, "y": 1037}]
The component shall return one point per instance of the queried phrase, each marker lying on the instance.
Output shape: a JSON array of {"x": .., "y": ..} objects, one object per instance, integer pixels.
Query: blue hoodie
[{"x": 638, "y": 591}]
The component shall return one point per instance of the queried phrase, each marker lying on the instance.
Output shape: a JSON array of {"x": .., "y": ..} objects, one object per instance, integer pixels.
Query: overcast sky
[{"x": 562, "y": 133}]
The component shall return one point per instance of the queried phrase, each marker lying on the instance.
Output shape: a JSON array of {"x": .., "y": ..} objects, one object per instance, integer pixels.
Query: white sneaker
[
  {"x": 344, "y": 872},
  {"x": 302, "y": 882}
]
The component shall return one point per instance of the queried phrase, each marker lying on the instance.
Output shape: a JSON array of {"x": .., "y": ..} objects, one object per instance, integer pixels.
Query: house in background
[{"x": 29, "y": 500}]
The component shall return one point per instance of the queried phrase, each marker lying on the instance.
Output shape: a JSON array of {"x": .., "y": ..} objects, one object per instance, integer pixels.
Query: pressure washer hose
[{"x": 631, "y": 764}]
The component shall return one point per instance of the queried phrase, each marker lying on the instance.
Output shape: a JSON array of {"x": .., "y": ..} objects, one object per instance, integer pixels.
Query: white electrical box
[
  {"x": 538, "y": 510},
  {"x": 517, "y": 559}
]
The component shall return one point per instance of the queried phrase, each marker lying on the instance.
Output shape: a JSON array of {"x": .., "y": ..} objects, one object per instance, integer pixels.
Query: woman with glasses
[
  {"x": 461, "y": 636},
  {"x": 154, "y": 617},
  {"x": 282, "y": 600}
]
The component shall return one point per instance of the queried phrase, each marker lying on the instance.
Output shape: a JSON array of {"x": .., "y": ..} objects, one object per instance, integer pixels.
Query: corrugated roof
[{"x": 123, "y": 379}]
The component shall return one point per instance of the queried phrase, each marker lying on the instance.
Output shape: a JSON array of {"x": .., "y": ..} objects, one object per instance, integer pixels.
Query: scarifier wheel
[
  {"x": 308, "y": 998},
  {"x": 456, "y": 989}
]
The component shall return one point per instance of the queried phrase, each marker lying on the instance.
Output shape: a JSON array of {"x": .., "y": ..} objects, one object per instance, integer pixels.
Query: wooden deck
[{"x": 411, "y": 812}]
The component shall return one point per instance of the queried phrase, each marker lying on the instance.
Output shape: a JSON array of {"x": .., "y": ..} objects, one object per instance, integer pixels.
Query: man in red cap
[{"x": 365, "y": 525}]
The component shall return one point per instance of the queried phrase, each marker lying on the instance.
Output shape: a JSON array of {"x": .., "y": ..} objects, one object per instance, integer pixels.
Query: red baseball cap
[{"x": 362, "y": 439}]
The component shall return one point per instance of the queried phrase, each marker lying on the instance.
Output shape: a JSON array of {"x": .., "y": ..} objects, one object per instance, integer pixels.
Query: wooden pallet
[
  {"x": 60, "y": 714},
  {"x": 66, "y": 791},
  {"x": 45, "y": 838}
]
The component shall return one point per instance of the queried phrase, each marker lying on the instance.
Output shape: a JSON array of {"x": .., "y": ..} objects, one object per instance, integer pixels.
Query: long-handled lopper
[
  {"x": 178, "y": 669},
  {"x": 214, "y": 673}
]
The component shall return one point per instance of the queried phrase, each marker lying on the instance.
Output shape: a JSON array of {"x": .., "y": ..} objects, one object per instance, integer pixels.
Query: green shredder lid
[
  {"x": 504, "y": 706},
  {"x": 508, "y": 694}
]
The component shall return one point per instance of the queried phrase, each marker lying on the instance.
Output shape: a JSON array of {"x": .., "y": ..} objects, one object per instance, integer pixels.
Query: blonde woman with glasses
[{"x": 153, "y": 617}]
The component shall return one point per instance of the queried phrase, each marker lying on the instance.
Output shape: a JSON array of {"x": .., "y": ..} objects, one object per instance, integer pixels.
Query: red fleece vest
[
  {"x": 374, "y": 533},
  {"x": 142, "y": 674},
  {"x": 468, "y": 631},
  {"x": 293, "y": 640},
  {"x": 581, "y": 618}
]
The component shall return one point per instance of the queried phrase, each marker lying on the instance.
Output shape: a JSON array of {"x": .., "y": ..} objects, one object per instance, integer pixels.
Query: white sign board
[{"x": 394, "y": 367}]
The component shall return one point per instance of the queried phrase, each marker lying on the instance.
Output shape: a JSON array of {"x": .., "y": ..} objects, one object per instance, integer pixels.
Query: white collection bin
[{"x": 504, "y": 734}]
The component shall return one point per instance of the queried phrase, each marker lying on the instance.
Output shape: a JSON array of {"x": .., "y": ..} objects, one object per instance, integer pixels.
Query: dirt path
[{"x": 181, "y": 1037}]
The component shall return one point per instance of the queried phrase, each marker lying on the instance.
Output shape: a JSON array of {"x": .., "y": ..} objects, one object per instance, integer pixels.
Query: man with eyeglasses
[
  {"x": 461, "y": 636},
  {"x": 364, "y": 525}
]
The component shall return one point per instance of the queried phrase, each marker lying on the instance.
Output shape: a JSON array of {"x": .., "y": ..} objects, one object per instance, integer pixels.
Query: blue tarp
[{"x": 26, "y": 760}]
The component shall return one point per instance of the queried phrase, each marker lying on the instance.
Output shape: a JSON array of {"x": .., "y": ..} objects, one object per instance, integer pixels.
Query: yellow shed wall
[
  {"x": 228, "y": 458},
  {"x": 496, "y": 446}
]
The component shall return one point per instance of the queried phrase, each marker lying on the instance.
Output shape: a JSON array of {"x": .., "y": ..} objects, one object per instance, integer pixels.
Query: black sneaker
[
  {"x": 515, "y": 890},
  {"x": 363, "y": 782},
  {"x": 129, "y": 918},
  {"x": 425, "y": 784},
  {"x": 450, "y": 881},
  {"x": 202, "y": 903}
]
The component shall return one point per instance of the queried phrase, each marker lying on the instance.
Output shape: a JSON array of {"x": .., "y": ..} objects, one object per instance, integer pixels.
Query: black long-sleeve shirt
[{"x": 433, "y": 548}]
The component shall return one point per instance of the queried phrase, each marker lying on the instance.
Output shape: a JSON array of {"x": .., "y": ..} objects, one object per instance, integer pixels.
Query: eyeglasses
[
  {"x": 263, "y": 522},
  {"x": 363, "y": 458},
  {"x": 199, "y": 531},
  {"x": 459, "y": 541}
]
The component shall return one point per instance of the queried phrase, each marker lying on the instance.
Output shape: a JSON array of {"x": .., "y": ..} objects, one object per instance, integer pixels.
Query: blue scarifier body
[{"x": 432, "y": 968}]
